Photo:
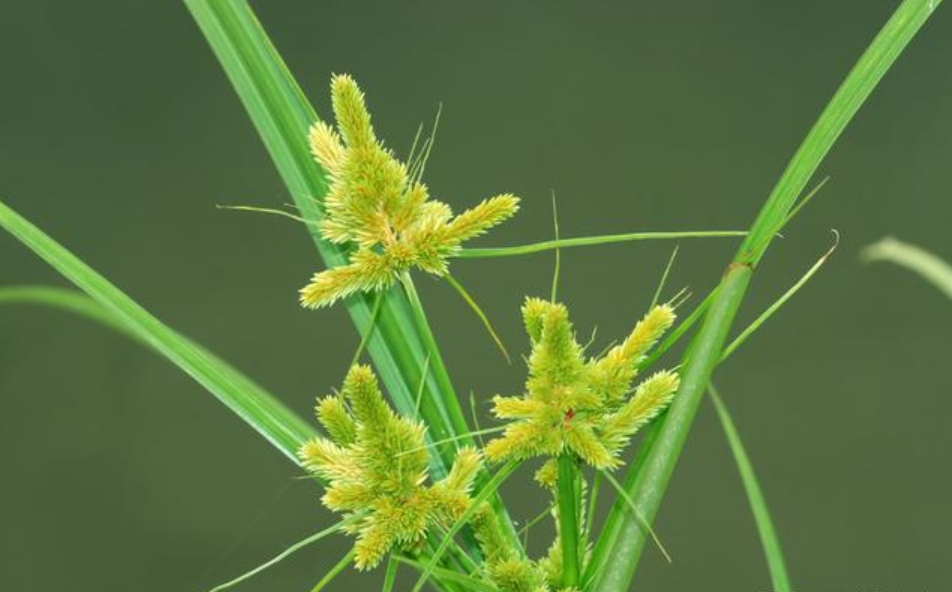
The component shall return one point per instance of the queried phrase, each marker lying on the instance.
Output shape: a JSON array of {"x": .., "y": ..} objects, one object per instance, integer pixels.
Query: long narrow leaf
[
  {"x": 403, "y": 351},
  {"x": 620, "y": 546},
  {"x": 282, "y": 116},
  {"x": 278, "y": 424},
  {"x": 779, "y": 303},
  {"x": 69, "y": 301},
  {"x": 755, "y": 497},
  {"x": 915, "y": 259}
]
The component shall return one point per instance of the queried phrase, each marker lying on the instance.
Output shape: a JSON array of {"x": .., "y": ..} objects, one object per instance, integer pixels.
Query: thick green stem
[
  {"x": 567, "y": 492},
  {"x": 622, "y": 542},
  {"x": 650, "y": 482}
]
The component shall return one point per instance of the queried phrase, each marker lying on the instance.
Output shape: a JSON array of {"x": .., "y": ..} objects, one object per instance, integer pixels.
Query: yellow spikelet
[
  {"x": 579, "y": 404},
  {"x": 584, "y": 442},
  {"x": 333, "y": 415},
  {"x": 467, "y": 463},
  {"x": 326, "y": 147},
  {"x": 373, "y": 204},
  {"x": 650, "y": 398},
  {"x": 613, "y": 374},
  {"x": 375, "y": 462},
  {"x": 350, "y": 108},
  {"x": 516, "y": 407},
  {"x": 477, "y": 220},
  {"x": 548, "y": 474}
]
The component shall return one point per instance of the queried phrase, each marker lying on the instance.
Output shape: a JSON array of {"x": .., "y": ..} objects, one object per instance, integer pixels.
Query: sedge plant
[{"x": 395, "y": 455}]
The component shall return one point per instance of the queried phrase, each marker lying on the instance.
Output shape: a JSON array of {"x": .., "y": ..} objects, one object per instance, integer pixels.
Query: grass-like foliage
[
  {"x": 916, "y": 259},
  {"x": 412, "y": 484}
]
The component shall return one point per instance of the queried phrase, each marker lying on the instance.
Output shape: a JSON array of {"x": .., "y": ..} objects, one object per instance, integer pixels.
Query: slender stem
[
  {"x": 390, "y": 577},
  {"x": 341, "y": 565},
  {"x": 568, "y": 520},
  {"x": 773, "y": 308},
  {"x": 755, "y": 497},
  {"x": 462, "y": 557},
  {"x": 469, "y": 582},
  {"x": 486, "y": 492},
  {"x": 451, "y": 404},
  {"x": 290, "y": 550},
  {"x": 366, "y": 333},
  {"x": 558, "y": 253},
  {"x": 465, "y": 295},
  {"x": 587, "y": 241},
  {"x": 664, "y": 276},
  {"x": 436, "y": 366}
]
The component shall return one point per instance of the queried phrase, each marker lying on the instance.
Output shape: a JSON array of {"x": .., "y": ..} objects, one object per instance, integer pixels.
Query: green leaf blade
[
  {"x": 755, "y": 498},
  {"x": 916, "y": 259},
  {"x": 282, "y": 116},
  {"x": 268, "y": 416},
  {"x": 620, "y": 547}
]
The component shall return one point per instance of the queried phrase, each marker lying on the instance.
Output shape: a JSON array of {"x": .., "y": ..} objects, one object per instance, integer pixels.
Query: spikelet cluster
[
  {"x": 377, "y": 204},
  {"x": 375, "y": 463},
  {"x": 586, "y": 406}
]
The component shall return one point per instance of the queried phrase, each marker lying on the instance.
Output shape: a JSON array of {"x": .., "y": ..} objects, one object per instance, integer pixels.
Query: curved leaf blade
[{"x": 266, "y": 414}]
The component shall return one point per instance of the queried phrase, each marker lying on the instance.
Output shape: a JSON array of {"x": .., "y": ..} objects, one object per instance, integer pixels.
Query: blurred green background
[{"x": 120, "y": 134}]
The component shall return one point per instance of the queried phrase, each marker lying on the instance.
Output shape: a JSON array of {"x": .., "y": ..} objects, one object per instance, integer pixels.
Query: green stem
[
  {"x": 588, "y": 241},
  {"x": 589, "y": 526},
  {"x": 282, "y": 115},
  {"x": 468, "y": 582},
  {"x": 290, "y": 550},
  {"x": 339, "y": 567},
  {"x": 368, "y": 331},
  {"x": 568, "y": 519},
  {"x": 755, "y": 497},
  {"x": 390, "y": 577},
  {"x": 650, "y": 483},
  {"x": 620, "y": 549},
  {"x": 451, "y": 406},
  {"x": 486, "y": 492},
  {"x": 467, "y": 297}
]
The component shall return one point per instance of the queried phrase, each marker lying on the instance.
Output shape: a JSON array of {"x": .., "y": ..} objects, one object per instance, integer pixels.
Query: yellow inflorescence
[
  {"x": 379, "y": 205},
  {"x": 375, "y": 463},
  {"x": 582, "y": 405}
]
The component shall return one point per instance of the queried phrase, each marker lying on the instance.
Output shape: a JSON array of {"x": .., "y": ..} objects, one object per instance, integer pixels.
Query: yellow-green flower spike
[
  {"x": 375, "y": 463},
  {"x": 505, "y": 567},
  {"x": 376, "y": 205},
  {"x": 582, "y": 405}
]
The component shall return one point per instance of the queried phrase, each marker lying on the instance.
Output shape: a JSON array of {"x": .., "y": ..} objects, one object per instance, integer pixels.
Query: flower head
[
  {"x": 586, "y": 406},
  {"x": 378, "y": 204},
  {"x": 376, "y": 464}
]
